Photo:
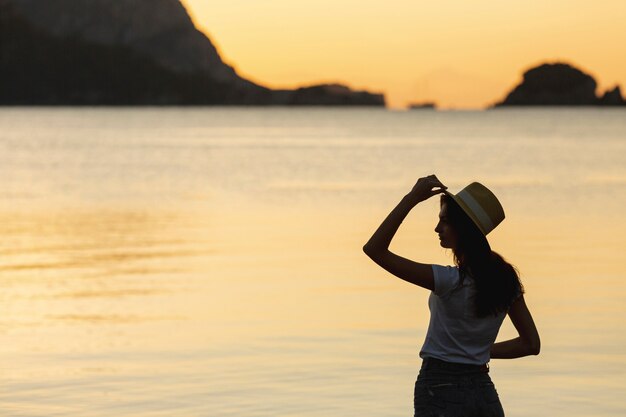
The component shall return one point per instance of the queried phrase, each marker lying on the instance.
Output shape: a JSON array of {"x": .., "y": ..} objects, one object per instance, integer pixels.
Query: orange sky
[{"x": 458, "y": 53}]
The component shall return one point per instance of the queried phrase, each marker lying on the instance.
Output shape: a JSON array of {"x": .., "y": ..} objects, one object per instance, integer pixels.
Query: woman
[{"x": 468, "y": 302}]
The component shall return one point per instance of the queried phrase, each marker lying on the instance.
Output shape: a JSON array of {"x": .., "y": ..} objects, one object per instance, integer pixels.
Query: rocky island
[
  {"x": 559, "y": 84},
  {"x": 129, "y": 52}
]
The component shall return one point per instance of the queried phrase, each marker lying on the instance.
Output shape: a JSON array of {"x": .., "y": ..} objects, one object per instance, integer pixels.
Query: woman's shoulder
[{"x": 446, "y": 278}]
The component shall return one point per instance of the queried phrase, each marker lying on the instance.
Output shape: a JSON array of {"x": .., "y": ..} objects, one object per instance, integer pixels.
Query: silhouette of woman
[{"x": 468, "y": 301}]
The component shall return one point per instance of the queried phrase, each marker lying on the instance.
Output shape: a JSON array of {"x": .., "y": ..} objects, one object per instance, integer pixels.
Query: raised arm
[
  {"x": 377, "y": 248},
  {"x": 528, "y": 342}
]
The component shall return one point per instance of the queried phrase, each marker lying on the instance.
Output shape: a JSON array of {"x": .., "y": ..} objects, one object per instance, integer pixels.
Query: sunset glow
[{"x": 459, "y": 54}]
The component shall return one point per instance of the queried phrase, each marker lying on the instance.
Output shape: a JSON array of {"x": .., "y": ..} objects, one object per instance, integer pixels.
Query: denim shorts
[{"x": 455, "y": 390}]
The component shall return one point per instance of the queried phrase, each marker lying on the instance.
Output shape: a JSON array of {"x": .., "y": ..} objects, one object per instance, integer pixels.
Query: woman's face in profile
[{"x": 447, "y": 235}]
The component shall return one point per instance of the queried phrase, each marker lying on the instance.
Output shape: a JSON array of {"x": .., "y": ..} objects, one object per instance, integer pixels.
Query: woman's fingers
[
  {"x": 430, "y": 182},
  {"x": 438, "y": 181},
  {"x": 426, "y": 187},
  {"x": 434, "y": 181},
  {"x": 437, "y": 191}
]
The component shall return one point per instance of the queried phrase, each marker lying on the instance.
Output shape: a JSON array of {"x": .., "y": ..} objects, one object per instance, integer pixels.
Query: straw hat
[{"x": 481, "y": 205}]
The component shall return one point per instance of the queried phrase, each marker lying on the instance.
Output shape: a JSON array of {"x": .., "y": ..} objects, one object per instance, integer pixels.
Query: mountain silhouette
[
  {"x": 128, "y": 52},
  {"x": 558, "y": 84}
]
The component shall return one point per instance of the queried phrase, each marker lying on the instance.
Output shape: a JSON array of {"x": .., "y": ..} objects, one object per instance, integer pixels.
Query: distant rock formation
[
  {"x": 612, "y": 98},
  {"x": 126, "y": 52},
  {"x": 332, "y": 95},
  {"x": 428, "y": 105},
  {"x": 559, "y": 84}
]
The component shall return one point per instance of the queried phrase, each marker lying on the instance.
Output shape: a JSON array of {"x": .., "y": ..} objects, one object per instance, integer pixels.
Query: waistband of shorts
[{"x": 433, "y": 363}]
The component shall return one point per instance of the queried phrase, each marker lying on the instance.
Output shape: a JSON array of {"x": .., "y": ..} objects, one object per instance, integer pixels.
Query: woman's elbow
[
  {"x": 534, "y": 347},
  {"x": 368, "y": 249},
  {"x": 372, "y": 252}
]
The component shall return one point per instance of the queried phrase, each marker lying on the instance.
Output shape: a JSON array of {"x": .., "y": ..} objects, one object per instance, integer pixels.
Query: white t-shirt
[{"x": 455, "y": 333}]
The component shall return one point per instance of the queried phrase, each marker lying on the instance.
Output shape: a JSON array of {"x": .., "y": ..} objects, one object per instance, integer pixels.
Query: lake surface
[{"x": 207, "y": 261}]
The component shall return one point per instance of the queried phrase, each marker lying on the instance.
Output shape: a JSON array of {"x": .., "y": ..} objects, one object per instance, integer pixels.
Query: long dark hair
[{"x": 497, "y": 281}]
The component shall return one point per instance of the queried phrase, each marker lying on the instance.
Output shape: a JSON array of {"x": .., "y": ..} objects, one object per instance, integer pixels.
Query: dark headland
[
  {"x": 560, "y": 84},
  {"x": 129, "y": 52}
]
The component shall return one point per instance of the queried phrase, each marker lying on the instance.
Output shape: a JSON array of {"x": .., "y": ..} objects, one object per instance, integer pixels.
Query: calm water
[{"x": 207, "y": 262}]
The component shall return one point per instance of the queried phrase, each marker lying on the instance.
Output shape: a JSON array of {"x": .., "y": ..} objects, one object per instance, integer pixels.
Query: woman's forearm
[
  {"x": 514, "y": 348},
  {"x": 382, "y": 237},
  {"x": 377, "y": 248}
]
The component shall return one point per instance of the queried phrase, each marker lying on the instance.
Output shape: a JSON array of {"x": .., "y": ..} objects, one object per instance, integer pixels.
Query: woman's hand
[
  {"x": 528, "y": 342},
  {"x": 425, "y": 188}
]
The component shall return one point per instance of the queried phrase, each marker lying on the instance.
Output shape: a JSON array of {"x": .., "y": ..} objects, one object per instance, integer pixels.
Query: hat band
[{"x": 483, "y": 218}]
